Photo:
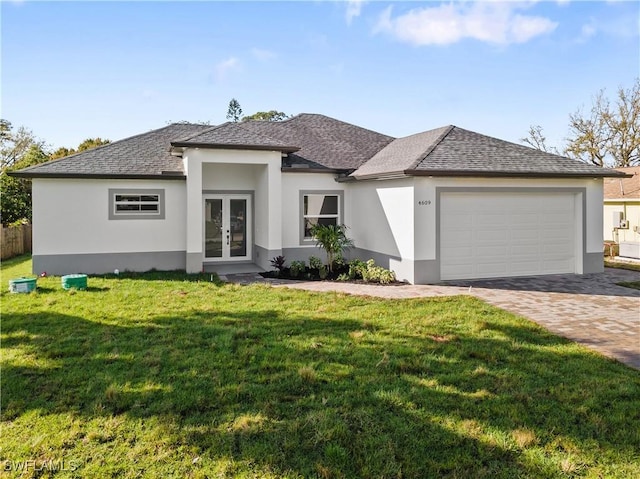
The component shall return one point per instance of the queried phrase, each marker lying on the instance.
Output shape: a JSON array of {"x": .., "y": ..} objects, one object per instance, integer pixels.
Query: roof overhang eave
[
  {"x": 289, "y": 169},
  {"x": 98, "y": 176},
  {"x": 234, "y": 146},
  {"x": 392, "y": 175},
  {"x": 513, "y": 174}
]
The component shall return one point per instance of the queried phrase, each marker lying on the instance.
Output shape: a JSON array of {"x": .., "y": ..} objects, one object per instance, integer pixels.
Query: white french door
[{"x": 227, "y": 227}]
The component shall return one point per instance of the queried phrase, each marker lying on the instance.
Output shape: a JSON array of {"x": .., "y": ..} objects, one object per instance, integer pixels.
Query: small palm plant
[{"x": 333, "y": 240}]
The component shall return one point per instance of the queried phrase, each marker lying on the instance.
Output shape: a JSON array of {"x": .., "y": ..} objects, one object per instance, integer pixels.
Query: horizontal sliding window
[{"x": 136, "y": 204}]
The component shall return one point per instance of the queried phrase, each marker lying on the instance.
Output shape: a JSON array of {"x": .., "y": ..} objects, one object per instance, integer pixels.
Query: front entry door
[{"x": 227, "y": 227}]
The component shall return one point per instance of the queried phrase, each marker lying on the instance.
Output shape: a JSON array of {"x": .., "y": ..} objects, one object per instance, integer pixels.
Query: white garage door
[{"x": 492, "y": 235}]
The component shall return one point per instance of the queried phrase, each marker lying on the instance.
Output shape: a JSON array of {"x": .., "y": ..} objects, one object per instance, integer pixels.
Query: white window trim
[
  {"x": 136, "y": 215},
  {"x": 339, "y": 217}
]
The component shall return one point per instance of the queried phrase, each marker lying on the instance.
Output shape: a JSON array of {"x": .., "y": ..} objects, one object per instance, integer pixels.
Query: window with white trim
[
  {"x": 323, "y": 209},
  {"x": 136, "y": 204}
]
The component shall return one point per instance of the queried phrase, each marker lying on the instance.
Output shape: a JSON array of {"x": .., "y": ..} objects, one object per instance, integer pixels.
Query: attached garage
[
  {"x": 500, "y": 234},
  {"x": 482, "y": 208}
]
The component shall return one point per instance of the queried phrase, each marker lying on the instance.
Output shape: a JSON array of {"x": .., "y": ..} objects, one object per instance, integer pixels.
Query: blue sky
[{"x": 73, "y": 70}]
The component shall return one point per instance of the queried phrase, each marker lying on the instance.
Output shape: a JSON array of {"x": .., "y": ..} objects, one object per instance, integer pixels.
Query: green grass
[
  {"x": 167, "y": 375},
  {"x": 611, "y": 263},
  {"x": 630, "y": 284}
]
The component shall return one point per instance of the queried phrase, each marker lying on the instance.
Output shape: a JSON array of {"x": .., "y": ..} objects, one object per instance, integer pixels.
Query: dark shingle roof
[
  {"x": 402, "y": 153},
  {"x": 324, "y": 142},
  {"x": 452, "y": 151},
  {"x": 318, "y": 141},
  {"x": 233, "y": 135},
  {"x": 144, "y": 155}
]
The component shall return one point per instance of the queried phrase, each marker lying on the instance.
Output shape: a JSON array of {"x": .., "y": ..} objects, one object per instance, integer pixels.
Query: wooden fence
[{"x": 15, "y": 240}]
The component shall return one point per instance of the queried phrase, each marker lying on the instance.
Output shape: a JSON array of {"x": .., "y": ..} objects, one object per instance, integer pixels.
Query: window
[
  {"x": 136, "y": 204},
  {"x": 322, "y": 208}
]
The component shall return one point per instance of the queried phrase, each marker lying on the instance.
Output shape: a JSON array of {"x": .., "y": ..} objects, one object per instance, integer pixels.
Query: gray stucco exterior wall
[{"x": 101, "y": 263}]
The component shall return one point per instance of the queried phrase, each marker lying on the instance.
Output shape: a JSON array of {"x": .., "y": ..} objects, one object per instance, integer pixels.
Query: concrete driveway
[{"x": 590, "y": 309}]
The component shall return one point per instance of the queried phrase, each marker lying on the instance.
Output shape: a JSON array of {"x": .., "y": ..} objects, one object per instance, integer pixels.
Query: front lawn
[{"x": 168, "y": 375}]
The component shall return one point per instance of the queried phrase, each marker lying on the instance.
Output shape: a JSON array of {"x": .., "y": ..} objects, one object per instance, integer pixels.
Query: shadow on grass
[{"x": 320, "y": 396}]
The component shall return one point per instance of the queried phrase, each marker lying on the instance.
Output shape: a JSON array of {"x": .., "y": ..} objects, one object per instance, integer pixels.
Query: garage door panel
[
  {"x": 557, "y": 267},
  {"x": 462, "y": 238},
  {"x": 493, "y": 236},
  {"x": 492, "y": 269},
  {"x": 526, "y": 219},
  {"x": 524, "y": 268},
  {"x": 527, "y": 252},
  {"x": 485, "y": 235},
  {"x": 457, "y": 254},
  {"x": 491, "y": 251},
  {"x": 490, "y": 221}
]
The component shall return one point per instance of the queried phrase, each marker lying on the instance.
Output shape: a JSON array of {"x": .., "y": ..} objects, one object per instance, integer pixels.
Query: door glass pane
[
  {"x": 213, "y": 228},
  {"x": 238, "y": 226}
]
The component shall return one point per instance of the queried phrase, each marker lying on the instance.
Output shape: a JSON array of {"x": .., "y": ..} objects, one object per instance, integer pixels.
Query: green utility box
[
  {"x": 74, "y": 281},
  {"x": 22, "y": 285}
]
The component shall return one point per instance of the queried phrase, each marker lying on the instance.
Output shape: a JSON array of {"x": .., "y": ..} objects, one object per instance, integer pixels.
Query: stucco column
[
  {"x": 193, "y": 168},
  {"x": 275, "y": 204}
]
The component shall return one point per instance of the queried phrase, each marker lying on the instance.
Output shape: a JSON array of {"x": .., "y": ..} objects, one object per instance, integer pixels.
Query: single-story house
[
  {"x": 622, "y": 211},
  {"x": 439, "y": 205}
]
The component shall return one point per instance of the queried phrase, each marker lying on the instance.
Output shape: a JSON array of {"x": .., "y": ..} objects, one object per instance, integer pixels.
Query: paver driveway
[{"x": 590, "y": 309}]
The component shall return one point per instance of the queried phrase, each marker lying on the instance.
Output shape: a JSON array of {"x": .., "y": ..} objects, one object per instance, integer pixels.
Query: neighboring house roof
[
  {"x": 317, "y": 142},
  {"x": 454, "y": 151},
  {"x": 623, "y": 188},
  {"x": 140, "y": 156}
]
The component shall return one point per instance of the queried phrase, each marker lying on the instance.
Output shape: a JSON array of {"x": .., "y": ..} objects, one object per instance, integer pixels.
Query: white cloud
[
  {"x": 587, "y": 31},
  {"x": 354, "y": 9},
  {"x": 490, "y": 22},
  {"x": 263, "y": 55},
  {"x": 621, "y": 26},
  {"x": 223, "y": 68}
]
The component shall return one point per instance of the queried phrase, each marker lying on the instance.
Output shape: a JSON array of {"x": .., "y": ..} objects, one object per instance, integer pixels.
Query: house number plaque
[{"x": 424, "y": 202}]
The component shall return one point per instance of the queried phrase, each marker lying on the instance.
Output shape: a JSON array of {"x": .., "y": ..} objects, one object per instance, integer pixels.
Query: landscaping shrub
[
  {"x": 356, "y": 267},
  {"x": 278, "y": 263},
  {"x": 333, "y": 239},
  {"x": 315, "y": 263},
  {"x": 297, "y": 268},
  {"x": 377, "y": 274}
]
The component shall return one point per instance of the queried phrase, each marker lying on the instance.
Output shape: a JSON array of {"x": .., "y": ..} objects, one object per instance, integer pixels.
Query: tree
[
  {"x": 589, "y": 135},
  {"x": 15, "y": 197},
  {"x": 333, "y": 239},
  {"x": 271, "y": 115},
  {"x": 234, "y": 113},
  {"x": 14, "y": 145},
  {"x": 608, "y": 134},
  {"x": 605, "y": 136},
  {"x": 87, "y": 144},
  {"x": 537, "y": 140}
]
